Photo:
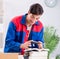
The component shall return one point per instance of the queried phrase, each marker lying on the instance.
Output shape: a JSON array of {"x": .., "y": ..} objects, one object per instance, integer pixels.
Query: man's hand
[
  {"x": 26, "y": 45},
  {"x": 40, "y": 45}
]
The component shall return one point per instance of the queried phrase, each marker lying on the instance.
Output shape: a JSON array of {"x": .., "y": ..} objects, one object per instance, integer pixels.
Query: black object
[{"x": 34, "y": 44}]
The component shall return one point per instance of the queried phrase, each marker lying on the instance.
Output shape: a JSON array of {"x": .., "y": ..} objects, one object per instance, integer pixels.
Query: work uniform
[{"x": 17, "y": 34}]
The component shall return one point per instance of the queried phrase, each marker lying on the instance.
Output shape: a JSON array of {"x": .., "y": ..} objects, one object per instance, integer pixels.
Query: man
[{"x": 23, "y": 29}]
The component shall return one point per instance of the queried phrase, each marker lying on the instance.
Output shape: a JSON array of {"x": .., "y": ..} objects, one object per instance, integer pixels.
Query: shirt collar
[{"x": 23, "y": 21}]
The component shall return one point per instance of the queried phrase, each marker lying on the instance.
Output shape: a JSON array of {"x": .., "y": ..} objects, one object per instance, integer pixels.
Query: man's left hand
[{"x": 40, "y": 46}]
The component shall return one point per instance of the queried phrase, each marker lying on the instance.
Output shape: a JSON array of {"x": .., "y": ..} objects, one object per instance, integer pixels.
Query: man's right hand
[{"x": 26, "y": 45}]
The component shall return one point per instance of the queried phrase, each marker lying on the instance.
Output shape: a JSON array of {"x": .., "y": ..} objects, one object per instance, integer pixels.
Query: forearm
[{"x": 13, "y": 45}]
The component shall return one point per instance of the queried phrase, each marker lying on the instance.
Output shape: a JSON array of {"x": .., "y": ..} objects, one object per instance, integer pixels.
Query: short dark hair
[{"x": 36, "y": 9}]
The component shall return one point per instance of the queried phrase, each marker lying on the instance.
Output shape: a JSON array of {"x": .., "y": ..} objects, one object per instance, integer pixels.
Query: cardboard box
[{"x": 8, "y": 55}]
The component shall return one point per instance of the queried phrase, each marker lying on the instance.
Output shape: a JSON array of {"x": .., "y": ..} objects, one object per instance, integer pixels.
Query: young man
[{"x": 23, "y": 29}]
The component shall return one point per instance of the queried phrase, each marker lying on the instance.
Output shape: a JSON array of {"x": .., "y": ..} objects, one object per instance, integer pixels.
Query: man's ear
[{"x": 28, "y": 12}]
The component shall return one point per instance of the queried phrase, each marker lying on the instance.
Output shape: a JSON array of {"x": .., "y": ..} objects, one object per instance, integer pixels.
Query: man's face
[{"x": 31, "y": 18}]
